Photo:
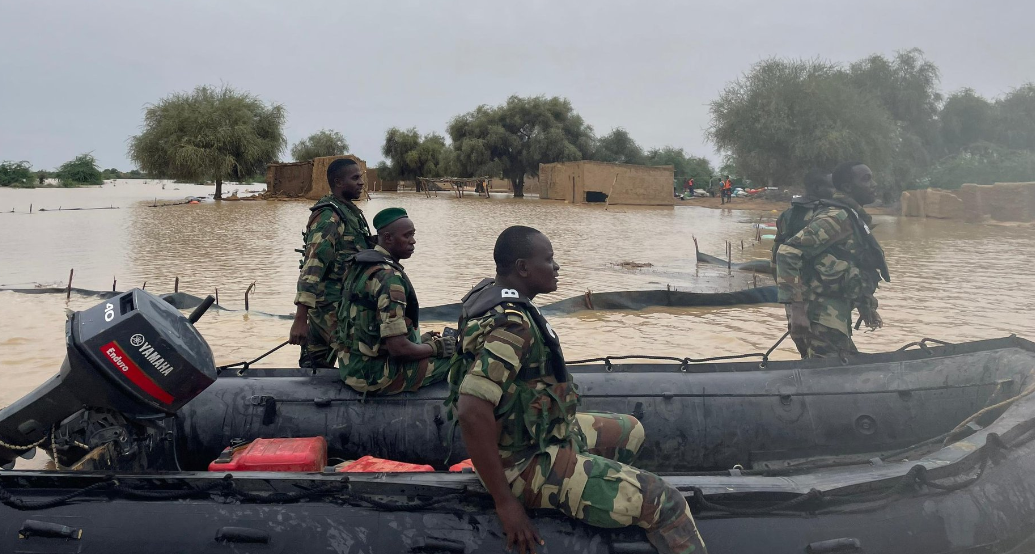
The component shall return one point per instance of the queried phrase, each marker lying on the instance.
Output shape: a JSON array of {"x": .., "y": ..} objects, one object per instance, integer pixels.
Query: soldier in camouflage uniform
[
  {"x": 517, "y": 409},
  {"x": 831, "y": 264},
  {"x": 336, "y": 231},
  {"x": 382, "y": 351}
]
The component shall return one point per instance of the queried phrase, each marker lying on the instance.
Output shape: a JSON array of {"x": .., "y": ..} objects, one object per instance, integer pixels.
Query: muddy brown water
[{"x": 951, "y": 280}]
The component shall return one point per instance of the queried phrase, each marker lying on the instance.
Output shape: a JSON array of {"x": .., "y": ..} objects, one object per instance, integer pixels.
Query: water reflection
[{"x": 950, "y": 280}]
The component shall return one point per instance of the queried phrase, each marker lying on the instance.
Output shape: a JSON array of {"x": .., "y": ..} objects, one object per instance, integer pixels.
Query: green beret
[{"x": 386, "y": 216}]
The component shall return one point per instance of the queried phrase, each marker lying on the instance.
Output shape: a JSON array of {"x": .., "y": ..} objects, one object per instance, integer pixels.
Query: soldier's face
[
  {"x": 864, "y": 188},
  {"x": 539, "y": 271},
  {"x": 401, "y": 239},
  {"x": 349, "y": 184}
]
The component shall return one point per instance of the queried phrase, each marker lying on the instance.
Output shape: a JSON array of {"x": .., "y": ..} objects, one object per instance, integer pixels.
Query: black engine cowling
[{"x": 132, "y": 354}]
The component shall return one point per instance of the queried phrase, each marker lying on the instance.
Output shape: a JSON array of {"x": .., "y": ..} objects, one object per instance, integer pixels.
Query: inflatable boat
[{"x": 923, "y": 450}]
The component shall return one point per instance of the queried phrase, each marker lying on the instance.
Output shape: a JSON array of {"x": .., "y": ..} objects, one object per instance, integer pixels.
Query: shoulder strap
[
  {"x": 328, "y": 202},
  {"x": 486, "y": 295},
  {"x": 373, "y": 257},
  {"x": 874, "y": 253},
  {"x": 324, "y": 204}
]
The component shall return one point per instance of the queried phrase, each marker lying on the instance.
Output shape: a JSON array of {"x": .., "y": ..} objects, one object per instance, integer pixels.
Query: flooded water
[{"x": 951, "y": 281}]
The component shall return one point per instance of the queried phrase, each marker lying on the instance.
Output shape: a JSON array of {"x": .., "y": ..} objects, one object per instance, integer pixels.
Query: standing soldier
[
  {"x": 818, "y": 187},
  {"x": 516, "y": 405},
  {"x": 831, "y": 263},
  {"x": 382, "y": 351},
  {"x": 336, "y": 231}
]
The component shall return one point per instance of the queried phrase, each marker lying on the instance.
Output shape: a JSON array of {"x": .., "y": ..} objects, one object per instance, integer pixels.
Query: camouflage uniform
[
  {"x": 336, "y": 231},
  {"x": 554, "y": 457},
  {"x": 379, "y": 302},
  {"x": 831, "y": 266}
]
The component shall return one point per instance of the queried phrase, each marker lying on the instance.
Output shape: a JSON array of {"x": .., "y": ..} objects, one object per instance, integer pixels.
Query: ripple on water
[{"x": 950, "y": 280}]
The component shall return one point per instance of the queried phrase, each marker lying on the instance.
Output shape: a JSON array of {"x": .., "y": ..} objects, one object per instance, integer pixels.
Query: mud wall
[
  {"x": 294, "y": 179},
  {"x": 1009, "y": 202},
  {"x": 587, "y": 181},
  {"x": 304, "y": 179},
  {"x": 320, "y": 187},
  {"x": 557, "y": 181}
]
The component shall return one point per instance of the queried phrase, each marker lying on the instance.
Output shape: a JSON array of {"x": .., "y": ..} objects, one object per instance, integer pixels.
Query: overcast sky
[{"x": 75, "y": 75}]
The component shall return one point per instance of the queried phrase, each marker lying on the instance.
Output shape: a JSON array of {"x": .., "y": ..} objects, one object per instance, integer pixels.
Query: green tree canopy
[
  {"x": 15, "y": 173},
  {"x": 80, "y": 171},
  {"x": 906, "y": 86},
  {"x": 983, "y": 164},
  {"x": 966, "y": 119},
  {"x": 409, "y": 155},
  {"x": 512, "y": 139},
  {"x": 1017, "y": 118},
  {"x": 321, "y": 143},
  {"x": 685, "y": 167},
  {"x": 209, "y": 133},
  {"x": 618, "y": 147},
  {"x": 785, "y": 117}
]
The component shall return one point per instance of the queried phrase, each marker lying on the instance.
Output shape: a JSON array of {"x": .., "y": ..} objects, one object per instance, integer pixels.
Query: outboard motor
[{"x": 132, "y": 362}]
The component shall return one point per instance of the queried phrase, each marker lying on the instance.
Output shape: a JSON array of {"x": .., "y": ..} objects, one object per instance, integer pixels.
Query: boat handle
[
  {"x": 832, "y": 546},
  {"x": 436, "y": 544},
  {"x": 242, "y": 535},
  {"x": 33, "y": 528},
  {"x": 641, "y": 547}
]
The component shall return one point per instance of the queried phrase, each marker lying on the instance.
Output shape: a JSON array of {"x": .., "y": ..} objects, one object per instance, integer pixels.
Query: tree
[
  {"x": 785, "y": 117},
  {"x": 618, "y": 147},
  {"x": 321, "y": 143},
  {"x": 409, "y": 155},
  {"x": 966, "y": 119},
  {"x": 983, "y": 164},
  {"x": 15, "y": 173},
  {"x": 1017, "y": 118},
  {"x": 906, "y": 86},
  {"x": 80, "y": 171},
  {"x": 111, "y": 173},
  {"x": 514, "y": 138},
  {"x": 684, "y": 167},
  {"x": 209, "y": 134}
]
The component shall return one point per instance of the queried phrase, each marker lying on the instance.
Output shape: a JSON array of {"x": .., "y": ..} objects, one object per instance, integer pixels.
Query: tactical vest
[
  {"x": 560, "y": 400},
  {"x": 321, "y": 205},
  {"x": 364, "y": 265},
  {"x": 873, "y": 255}
]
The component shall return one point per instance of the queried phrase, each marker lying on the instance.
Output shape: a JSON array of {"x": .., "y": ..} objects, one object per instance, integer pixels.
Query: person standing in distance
[
  {"x": 516, "y": 404},
  {"x": 832, "y": 265},
  {"x": 337, "y": 230}
]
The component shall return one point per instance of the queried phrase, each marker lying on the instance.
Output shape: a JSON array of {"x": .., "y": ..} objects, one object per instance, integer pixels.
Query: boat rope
[
  {"x": 10, "y": 446},
  {"x": 7, "y": 499},
  {"x": 228, "y": 489},
  {"x": 1026, "y": 392},
  {"x": 608, "y": 360},
  {"x": 246, "y": 365},
  {"x": 816, "y": 500}
]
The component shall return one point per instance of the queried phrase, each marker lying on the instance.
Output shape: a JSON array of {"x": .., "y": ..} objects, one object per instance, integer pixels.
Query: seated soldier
[
  {"x": 382, "y": 351},
  {"x": 516, "y": 405}
]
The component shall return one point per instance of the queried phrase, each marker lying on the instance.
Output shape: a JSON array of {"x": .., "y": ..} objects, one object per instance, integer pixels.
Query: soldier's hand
[
  {"x": 442, "y": 347},
  {"x": 427, "y": 337},
  {"x": 299, "y": 332},
  {"x": 521, "y": 533},
  {"x": 872, "y": 320},
  {"x": 798, "y": 320}
]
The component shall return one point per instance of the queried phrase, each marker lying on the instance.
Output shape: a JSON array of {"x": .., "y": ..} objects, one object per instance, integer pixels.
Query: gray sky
[{"x": 75, "y": 75}]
